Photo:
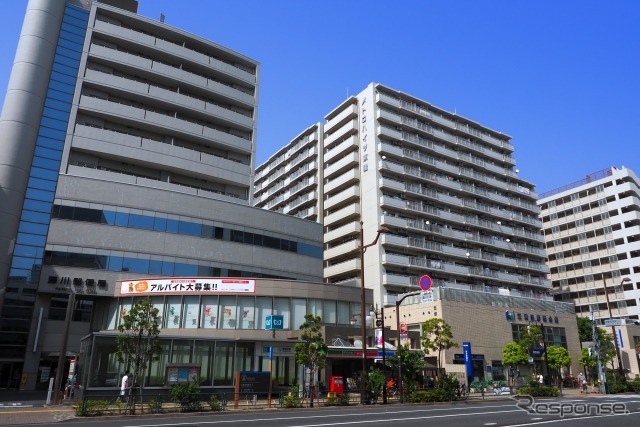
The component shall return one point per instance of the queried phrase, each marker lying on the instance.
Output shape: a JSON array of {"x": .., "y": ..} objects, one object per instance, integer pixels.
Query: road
[{"x": 472, "y": 414}]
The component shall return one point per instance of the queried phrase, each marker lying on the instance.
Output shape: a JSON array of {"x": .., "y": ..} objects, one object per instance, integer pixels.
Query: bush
[
  {"x": 539, "y": 391},
  {"x": 615, "y": 388},
  {"x": 449, "y": 384},
  {"x": 87, "y": 408},
  {"x": 214, "y": 403},
  {"x": 435, "y": 395},
  {"x": 187, "y": 396},
  {"x": 634, "y": 385},
  {"x": 344, "y": 399},
  {"x": 155, "y": 405},
  {"x": 292, "y": 399}
]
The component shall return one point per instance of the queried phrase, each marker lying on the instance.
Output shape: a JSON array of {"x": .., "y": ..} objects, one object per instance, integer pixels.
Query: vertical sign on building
[
  {"x": 466, "y": 350},
  {"x": 364, "y": 134}
]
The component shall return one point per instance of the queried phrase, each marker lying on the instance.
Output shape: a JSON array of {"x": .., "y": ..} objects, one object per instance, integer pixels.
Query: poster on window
[
  {"x": 229, "y": 319},
  {"x": 247, "y": 317},
  {"x": 191, "y": 318},
  {"x": 173, "y": 320},
  {"x": 210, "y": 318}
]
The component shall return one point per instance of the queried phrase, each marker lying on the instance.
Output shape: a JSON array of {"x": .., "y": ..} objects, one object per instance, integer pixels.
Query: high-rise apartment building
[
  {"x": 446, "y": 186},
  {"x": 127, "y": 150},
  {"x": 592, "y": 235},
  {"x": 447, "y": 189}
]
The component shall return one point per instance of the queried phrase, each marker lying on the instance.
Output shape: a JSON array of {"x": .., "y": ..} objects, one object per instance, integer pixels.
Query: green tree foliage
[
  {"x": 312, "y": 351},
  {"x": 437, "y": 336},
  {"x": 585, "y": 331},
  {"x": 530, "y": 336},
  {"x": 138, "y": 343},
  {"x": 514, "y": 355},
  {"x": 376, "y": 382},
  {"x": 412, "y": 365},
  {"x": 558, "y": 357},
  {"x": 589, "y": 362}
]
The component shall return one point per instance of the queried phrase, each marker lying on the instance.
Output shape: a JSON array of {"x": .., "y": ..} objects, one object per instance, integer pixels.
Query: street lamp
[
  {"x": 613, "y": 328},
  {"x": 398, "y": 302},
  {"x": 363, "y": 249},
  {"x": 379, "y": 315}
]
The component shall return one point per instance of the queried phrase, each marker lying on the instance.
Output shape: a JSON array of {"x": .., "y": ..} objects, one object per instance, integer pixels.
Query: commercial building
[
  {"x": 592, "y": 234},
  {"x": 447, "y": 189},
  {"x": 127, "y": 151}
]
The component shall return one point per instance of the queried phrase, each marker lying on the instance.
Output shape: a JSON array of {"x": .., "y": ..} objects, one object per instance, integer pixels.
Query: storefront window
[
  {"x": 329, "y": 312},
  {"x": 299, "y": 310},
  {"x": 344, "y": 316},
  {"x": 157, "y": 368},
  {"x": 125, "y": 308},
  {"x": 158, "y": 302},
  {"x": 181, "y": 351},
  {"x": 263, "y": 309},
  {"x": 228, "y": 312},
  {"x": 209, "y": 312},
  {"x": 191, "y": 311},
  {"x": 314, "y": 306},
  {"x": 112, "y": 314},
  {"x": 244, "y": 356},
  {"x": 223, "y": 371},
  {"x": 174, "y": 311},
  {"x": 105, "y": 368},
  {"x": 246, "y": 311},
  {"x": 203, "y": 356},
  {"x": 282, "y": 306}
]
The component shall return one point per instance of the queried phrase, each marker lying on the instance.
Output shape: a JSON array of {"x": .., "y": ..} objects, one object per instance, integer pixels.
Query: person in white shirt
[{"x": 124, "y": 386}]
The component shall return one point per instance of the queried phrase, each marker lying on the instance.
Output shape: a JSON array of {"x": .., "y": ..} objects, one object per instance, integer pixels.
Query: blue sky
[{"x": 562, "y": 78}]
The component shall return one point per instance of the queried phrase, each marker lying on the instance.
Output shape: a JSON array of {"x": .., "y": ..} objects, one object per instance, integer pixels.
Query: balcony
[{"x": 342, "y": 268}]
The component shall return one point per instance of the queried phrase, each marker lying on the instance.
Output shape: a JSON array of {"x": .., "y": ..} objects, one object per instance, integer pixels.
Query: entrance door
[{"x": 6, "y": 376}]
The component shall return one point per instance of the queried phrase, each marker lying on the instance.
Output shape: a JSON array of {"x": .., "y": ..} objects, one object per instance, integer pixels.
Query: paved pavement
[{"x": 29, "y": 407}]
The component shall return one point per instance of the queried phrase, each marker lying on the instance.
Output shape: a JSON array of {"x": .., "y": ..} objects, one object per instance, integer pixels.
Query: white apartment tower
[
  {"x": 445, "y": 186},
  {"x": 592, "y": 235}
]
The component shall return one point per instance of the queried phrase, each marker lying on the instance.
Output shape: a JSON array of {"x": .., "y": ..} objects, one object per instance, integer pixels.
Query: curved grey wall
[{"x": 21, "y": 115}]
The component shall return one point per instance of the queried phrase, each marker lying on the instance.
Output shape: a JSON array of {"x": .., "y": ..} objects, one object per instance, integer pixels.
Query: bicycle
[{"x": 462, "y": 393}]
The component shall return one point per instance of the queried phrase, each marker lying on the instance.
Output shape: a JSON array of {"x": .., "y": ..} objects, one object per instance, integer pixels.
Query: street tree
[
  {"x": 312, "y": 351},
  {"x": 138, "y": 343},
  {"x": 413, "y": 364},
  {"x": 557, "y": 358},
  {"x": 437, "y": 336},
  {"x": 514, "y": 355},
  {"x": 588, "y": 360}
]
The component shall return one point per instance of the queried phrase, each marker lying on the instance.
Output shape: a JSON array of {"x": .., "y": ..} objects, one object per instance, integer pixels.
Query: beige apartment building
[
  {"x": 592, "y": 230},
  {"x": 445, "y": 187}
]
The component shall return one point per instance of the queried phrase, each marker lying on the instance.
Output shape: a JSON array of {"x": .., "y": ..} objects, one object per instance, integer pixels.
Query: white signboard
[
  {"x": 187, "y": 285},
  {"x": 427, "y": 296},
  {"x": 612, "y": 322}
]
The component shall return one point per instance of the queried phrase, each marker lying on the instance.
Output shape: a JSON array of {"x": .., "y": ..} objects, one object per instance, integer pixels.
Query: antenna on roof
[{"x": 162, "y": 17}]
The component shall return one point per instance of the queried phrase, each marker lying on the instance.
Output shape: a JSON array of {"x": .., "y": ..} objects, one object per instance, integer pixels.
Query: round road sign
[{"x": 425, "y": 283}]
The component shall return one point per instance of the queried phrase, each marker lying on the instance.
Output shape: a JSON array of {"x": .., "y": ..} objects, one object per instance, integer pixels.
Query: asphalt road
[{"x": 623, "y": 410}]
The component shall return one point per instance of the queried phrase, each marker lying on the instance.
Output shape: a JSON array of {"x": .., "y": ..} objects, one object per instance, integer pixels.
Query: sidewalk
[{"x": 29, "y": 407}]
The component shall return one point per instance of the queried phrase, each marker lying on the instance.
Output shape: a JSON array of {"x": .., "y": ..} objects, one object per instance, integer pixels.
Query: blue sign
[
  {"x": 274, "y": 321},
  {"x": 386, "y": 353},
  {"x": 466, "y": 350}
]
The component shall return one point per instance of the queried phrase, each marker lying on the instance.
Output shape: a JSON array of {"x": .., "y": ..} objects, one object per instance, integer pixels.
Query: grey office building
[{"x": 127, "y": 150}]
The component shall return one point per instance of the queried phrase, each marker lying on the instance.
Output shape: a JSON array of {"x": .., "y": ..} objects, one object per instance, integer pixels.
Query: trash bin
[{"x": 336, "y": 385}]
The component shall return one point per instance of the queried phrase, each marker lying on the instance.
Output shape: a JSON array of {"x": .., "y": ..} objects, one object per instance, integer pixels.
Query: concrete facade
[
  {"x": 447, "y": 189},
  {"x": 128, "y": 151},
  {"x": 591, "y": 229}
]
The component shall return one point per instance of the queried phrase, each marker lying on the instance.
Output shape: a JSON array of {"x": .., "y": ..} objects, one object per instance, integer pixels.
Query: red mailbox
[{"x": 336, "y": 385}]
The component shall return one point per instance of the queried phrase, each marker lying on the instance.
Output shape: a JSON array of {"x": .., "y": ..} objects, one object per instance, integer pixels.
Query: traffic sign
[
  {"x": 403, "y": 328},
  {"x": 425, "y": 283},
  {"x": 612, "y": 322}
]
